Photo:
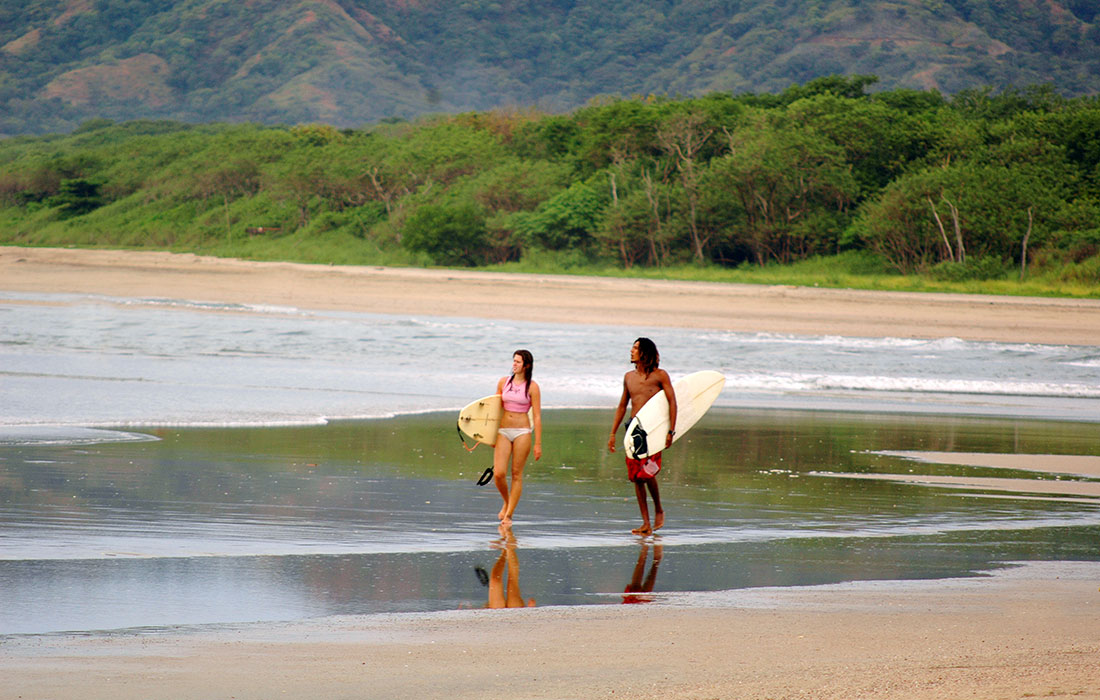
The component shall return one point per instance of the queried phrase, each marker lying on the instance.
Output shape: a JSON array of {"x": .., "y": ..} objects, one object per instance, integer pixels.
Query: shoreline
[
  {"x": 1026, "y": 631},
  {"x": 552, "y": 298}
]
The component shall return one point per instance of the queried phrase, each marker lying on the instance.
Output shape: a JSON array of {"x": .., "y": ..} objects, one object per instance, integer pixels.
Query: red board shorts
[{"x": 642, "y": 469}]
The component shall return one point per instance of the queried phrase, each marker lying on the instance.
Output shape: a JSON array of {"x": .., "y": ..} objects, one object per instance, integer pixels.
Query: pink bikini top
[{"x": 514, "y": 397}]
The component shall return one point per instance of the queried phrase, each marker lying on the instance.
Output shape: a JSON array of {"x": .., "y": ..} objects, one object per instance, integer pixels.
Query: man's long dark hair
[
  {"x": 528, "y": 368},
  {"x": 648, "y": 357}
]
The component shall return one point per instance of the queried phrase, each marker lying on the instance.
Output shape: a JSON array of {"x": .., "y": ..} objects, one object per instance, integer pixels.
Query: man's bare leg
[
  {"x": 658, "y": 512},
  {"x": 643, "y": 506}
]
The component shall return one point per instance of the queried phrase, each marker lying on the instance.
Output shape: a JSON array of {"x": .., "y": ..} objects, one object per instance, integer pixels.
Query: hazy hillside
[{"x": 350, "y": 62}]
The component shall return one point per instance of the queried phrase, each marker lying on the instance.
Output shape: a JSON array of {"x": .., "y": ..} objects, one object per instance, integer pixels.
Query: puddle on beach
[{"x": 244, "y": 525}]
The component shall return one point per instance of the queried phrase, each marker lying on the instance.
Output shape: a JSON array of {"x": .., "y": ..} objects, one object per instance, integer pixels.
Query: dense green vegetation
[
  {"x": 821, "y": 184},
  {"x": 355, "y": 62}
]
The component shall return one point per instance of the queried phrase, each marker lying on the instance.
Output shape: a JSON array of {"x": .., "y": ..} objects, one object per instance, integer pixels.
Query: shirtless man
[{"x": 639, "y": 385}]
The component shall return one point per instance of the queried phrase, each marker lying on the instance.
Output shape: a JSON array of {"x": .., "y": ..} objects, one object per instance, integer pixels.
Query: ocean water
[
  {"x": 167, "y": 463},
  {"x": 88, "y": 361}
]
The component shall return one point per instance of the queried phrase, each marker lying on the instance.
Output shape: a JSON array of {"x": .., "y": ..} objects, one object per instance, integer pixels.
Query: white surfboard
[
  {"x": 695, "y": 392},
  {"x": 480, "y": 419}
]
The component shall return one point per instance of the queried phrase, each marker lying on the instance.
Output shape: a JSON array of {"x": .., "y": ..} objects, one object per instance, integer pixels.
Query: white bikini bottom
[{"x": 512, "y": 433}]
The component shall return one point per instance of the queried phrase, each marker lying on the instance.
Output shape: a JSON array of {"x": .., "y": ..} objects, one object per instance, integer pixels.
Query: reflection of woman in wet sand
[
  {"x": 501, "y": 595},
  {"x": 637, "y": 585}
]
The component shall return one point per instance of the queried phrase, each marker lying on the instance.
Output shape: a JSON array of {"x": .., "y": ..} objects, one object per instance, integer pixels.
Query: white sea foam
[
  {"x": 796, "y": 382},
  {"x": 38, "y": 435}
]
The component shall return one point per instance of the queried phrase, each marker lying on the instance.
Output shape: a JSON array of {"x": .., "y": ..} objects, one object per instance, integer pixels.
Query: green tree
[
  {"x": 852, "y": 87},
  {"x": 877, "y": 140},
  {"x": 964, "y": 211},
  {"x": 77, "y": 197},
  {"x": 683, "y": 138},
  {"x": 1077, "y": 128},
  {"x": 634, "y": 227},
  {"x": 625, "y": 127},
  {"x": 228, "y": 182},
  {"x": 551, "y": 137},
  {"x": 518, "y": 185},
  {"x": 776, "y": 189},
  {"x": 566, "y": 221},
  {"x": 449, "y": 234}
]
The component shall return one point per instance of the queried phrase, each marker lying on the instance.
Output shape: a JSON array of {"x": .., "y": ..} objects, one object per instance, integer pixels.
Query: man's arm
[{"x": 620, "y": 411}]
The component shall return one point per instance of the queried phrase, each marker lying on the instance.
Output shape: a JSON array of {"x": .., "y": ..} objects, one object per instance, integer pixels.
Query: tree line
[{"x": 976, "y": 185}]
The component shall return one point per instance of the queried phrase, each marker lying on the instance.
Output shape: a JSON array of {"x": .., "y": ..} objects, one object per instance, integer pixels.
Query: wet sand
[
  {"x": 1074, "y": 475},
  {"x": 1072, "y": 465},
  {"x": 549, "y": 298},
  {"x": 1030, "y": 632}
]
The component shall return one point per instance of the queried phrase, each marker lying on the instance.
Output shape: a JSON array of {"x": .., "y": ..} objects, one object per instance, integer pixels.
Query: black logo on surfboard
[{"x": 638, "y": 438}]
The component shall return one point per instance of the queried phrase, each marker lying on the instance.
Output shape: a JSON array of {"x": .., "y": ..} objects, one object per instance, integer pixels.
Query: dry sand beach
[
  {"x": 733, "y": 307},
  {"x": 1032, "y": 631}
]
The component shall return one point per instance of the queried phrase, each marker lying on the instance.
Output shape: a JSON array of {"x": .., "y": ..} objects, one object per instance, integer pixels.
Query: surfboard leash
[
  {"x": 463, "y": 441},
  {"x": 486, "y": 477}
]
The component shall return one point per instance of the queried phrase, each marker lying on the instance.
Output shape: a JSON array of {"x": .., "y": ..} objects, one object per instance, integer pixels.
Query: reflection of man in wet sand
[
  {"x": 501, "y": 595},
  {"x": 637, "y": 585},
  {"x": 639, "y": 385}
]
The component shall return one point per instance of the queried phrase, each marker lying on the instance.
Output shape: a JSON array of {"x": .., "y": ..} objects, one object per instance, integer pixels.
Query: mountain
[{"x": 352, "y": 62}]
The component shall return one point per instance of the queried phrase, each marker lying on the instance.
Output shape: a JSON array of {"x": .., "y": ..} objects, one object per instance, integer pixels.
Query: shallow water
[
  {"x": 197, "y": 525},
  {"x": 287, "y": 489}
]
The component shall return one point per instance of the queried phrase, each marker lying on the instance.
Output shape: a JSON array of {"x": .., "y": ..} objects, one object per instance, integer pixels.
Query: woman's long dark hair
[
  {"x": 528, "y": 368},
  {"x": 648, "y": 357}
]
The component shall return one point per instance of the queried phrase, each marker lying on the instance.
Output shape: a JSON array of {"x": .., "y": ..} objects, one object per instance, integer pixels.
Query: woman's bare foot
[
  {"x": 659, "y": 520},
  {"x": 643, "y": 530},
  {"x": 503, "y": 513}
]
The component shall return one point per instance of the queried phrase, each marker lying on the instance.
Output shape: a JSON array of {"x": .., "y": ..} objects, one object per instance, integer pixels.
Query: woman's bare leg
[
  {"x": 501, "y": 452},
  {"x": 521, "y": 447}
]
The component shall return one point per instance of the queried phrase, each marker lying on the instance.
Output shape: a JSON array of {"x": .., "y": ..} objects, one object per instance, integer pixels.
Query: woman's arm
[{"x": 536, "y": 418}]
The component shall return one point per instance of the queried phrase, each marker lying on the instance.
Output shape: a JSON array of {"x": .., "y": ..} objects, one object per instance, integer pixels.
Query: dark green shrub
[
  {"x": 449, "y": 234},
  {"x": 984, "y": 268},
  {"x": 77, "y": 197}
]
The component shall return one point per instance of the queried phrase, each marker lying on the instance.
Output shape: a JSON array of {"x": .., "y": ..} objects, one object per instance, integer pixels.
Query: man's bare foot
[
  {"x": 659, "y": 520},
  {"x": 643, "y": 530}
]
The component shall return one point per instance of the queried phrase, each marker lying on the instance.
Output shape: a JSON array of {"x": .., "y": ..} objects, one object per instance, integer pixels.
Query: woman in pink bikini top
[{"x": 522, "y": 419}]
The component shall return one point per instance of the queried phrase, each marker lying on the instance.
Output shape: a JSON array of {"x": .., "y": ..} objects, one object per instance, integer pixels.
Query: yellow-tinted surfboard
[{"x": 480, "y": 419}]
